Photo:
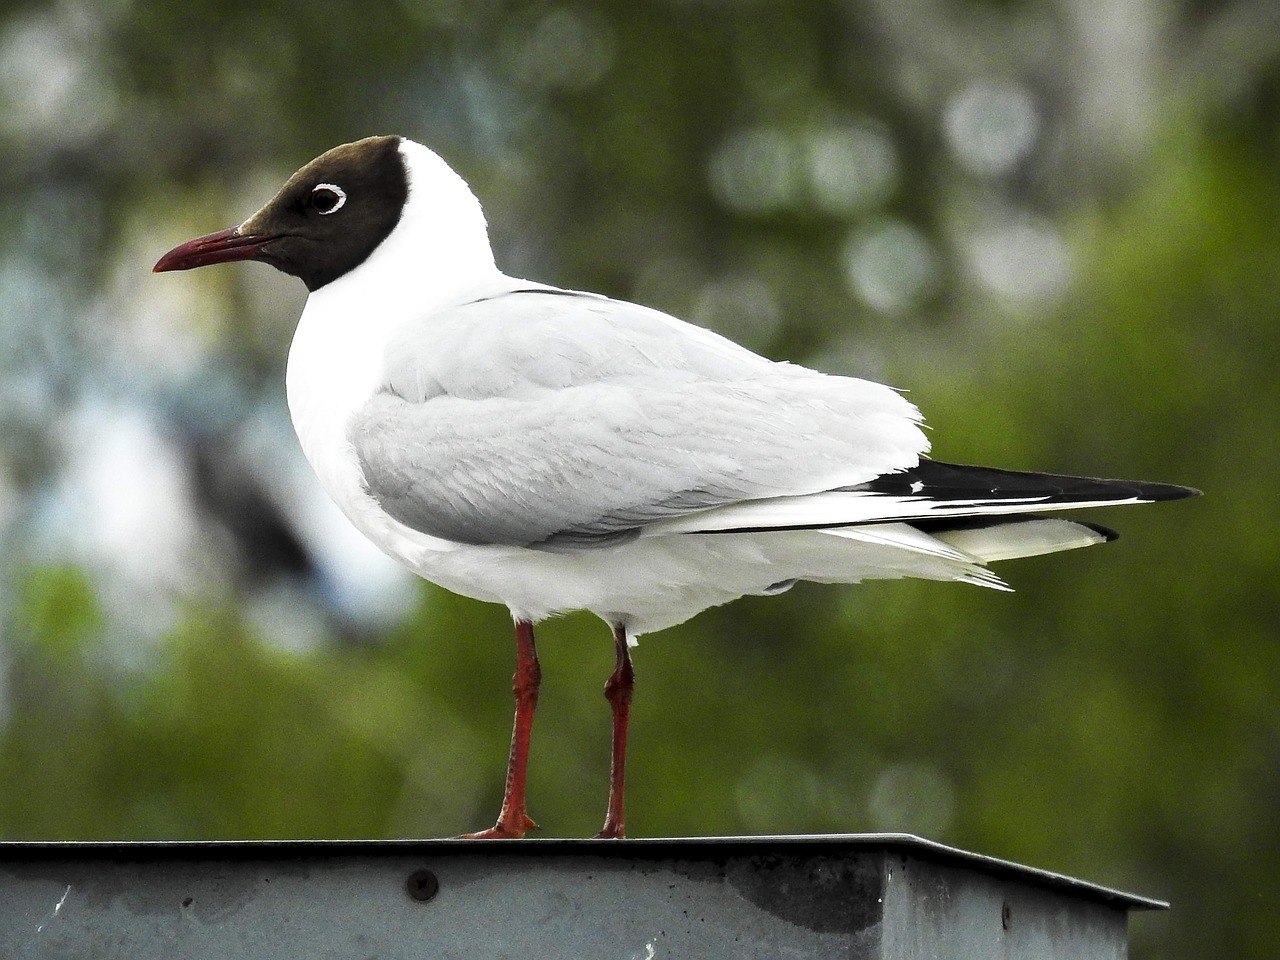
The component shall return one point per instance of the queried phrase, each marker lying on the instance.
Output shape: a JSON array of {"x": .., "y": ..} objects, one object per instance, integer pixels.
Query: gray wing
[{"x": 544, "y": 418}]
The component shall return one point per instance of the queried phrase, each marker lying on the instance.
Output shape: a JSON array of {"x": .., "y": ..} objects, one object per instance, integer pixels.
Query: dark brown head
[{"x": 325, "y": 221}]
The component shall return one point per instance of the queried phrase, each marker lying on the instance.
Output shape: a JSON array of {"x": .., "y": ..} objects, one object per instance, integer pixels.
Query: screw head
[{"x": 422, "y": 885}]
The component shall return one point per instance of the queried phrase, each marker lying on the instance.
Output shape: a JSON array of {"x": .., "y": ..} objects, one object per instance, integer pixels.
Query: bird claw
[
  {"x": 496, "y": 832},
  {"x": 503, "y": 830}
]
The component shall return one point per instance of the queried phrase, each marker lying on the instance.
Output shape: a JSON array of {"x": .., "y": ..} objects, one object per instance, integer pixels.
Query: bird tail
[
  {"x": 992, "y": 539},
  {"x": 947, "y": 549}
]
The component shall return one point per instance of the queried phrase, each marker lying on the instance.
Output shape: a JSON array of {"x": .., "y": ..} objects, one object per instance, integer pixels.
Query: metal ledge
[{"x": 872, "y": 896}]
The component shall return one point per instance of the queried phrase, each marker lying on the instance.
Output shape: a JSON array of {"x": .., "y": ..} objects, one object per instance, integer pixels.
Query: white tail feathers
[{"x": 1023, "y": 537}]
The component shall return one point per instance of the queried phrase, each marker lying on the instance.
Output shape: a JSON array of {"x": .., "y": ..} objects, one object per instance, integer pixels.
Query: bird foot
[
  {"x": 612, "y": 831},
  {"x": 502, "y": 830}
]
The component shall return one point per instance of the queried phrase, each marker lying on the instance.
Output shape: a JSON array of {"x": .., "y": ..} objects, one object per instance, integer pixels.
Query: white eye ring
[{"x": 337, "y": 191}]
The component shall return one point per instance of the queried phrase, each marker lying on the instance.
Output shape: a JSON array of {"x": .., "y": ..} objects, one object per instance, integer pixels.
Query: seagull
[{"x": 554, "y": 450}]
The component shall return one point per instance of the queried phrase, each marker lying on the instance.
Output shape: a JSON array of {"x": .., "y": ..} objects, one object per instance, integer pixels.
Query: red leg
[
  {"x": 512, "y": 819},
  {"x": 617, "y": 690}
]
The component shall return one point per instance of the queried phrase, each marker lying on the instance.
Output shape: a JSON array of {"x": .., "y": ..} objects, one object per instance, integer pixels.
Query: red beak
[{"x": 221, "y": 247}]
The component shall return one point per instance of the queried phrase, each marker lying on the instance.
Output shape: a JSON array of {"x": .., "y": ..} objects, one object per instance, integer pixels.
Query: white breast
[
  {"x": 331, "y": 374},
  {"x": 336, "y": 363}
]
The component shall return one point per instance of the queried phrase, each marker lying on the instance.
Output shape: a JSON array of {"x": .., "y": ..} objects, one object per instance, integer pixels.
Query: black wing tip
[
  {"x": 1158, "y": 492},
  {"x": 939, "y": 480}
]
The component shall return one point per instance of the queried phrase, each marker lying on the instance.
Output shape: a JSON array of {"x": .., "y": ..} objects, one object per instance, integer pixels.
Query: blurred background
[{"x": 1056, "y": 222}]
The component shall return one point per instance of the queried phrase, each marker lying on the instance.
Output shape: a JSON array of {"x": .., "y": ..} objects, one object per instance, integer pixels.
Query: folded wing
[{"x": 543, "y": 418}]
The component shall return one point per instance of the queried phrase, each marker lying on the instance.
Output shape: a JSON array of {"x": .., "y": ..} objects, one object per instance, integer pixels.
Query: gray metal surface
[{"x": 857, "y": 896}]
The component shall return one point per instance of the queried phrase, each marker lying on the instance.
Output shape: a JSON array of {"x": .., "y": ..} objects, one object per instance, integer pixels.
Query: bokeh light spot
[
  {"x": 912, "y": 797},
  {"x": 891, "y": 265},
  {"x": 567, "y": 49},
  {"x": 851, "y": 168},
  {"x": 755, "y": 170},
  {"x": 992, "y": 127},
  {"x": 1021, "y": 258}
]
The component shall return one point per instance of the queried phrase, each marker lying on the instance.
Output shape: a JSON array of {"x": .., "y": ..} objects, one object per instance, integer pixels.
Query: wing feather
[
  {"x": 930, "y": 492},
  {"x": 543, "y": 418}
]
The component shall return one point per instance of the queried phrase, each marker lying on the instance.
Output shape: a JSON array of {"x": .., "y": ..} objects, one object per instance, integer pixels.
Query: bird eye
[{"x": 328, "y": 198}]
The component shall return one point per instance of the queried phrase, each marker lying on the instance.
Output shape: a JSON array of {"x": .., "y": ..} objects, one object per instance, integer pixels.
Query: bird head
[{"x": 333, "y": 214}]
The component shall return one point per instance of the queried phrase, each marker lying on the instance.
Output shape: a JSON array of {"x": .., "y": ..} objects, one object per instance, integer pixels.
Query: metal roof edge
[{"x": 647, "y": 847}]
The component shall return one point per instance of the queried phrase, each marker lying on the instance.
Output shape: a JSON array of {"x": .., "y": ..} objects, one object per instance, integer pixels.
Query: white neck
[{"x": 437, "y": 255}]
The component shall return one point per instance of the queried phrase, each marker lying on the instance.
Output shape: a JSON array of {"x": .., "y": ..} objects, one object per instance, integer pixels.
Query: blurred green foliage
[{"x": 1116, "y": 718}]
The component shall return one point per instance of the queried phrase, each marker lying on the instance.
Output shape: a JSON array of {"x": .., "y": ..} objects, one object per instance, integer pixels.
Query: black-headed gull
[{"x": 552, "y": 450}]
